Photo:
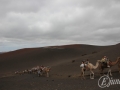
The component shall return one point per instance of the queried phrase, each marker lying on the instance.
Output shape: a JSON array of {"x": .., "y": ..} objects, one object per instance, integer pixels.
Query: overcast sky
[{"x": 37, "y": 23}]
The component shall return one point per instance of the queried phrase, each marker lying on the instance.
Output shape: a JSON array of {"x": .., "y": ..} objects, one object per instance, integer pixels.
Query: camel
[
  {"x": 40, "y": 71},
  {"x": 119, "y": 66},
  {"x": 111, "y": 63},
  {"x": 20, "y": 73},
  {"x": 90, "y": 67},
  {"x": 28, "y": 71},
  {"x": 34, "y": 69},
  {"x": 45, "y": 70}
]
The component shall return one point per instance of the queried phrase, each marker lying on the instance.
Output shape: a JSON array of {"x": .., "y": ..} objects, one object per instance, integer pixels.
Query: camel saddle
[{"x": 104, "y": 64}]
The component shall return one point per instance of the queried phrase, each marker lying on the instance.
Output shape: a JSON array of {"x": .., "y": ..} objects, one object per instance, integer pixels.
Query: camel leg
[
  {"x": 82, "y": 73},
  {"x": 82, "y": 77},
  {"x": 110, "y": 72},
  {"x": 47, "y": 74},
  {"x": 92, "y": 73}
]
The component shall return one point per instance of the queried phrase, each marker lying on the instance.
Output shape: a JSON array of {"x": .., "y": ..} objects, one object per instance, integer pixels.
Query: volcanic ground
[{"x": 65, "y": 70}]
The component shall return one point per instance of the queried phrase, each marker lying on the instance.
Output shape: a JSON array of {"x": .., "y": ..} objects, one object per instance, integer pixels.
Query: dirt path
[{"x": 32, "y": 82}]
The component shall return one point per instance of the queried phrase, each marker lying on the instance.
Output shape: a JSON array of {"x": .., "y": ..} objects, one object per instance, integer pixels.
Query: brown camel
[
  {"x": 46, "y": 71},
  {"x": 119, "y": 66},
  {"x": 89, "y": 67},
  {"x": 111, "y": 63}
]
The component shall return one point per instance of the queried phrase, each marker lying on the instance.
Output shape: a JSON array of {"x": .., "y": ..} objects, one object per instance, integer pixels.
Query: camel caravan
[
  {"x": 101, "y": 64},
  {"x": 40, "y": 70},
  {"x": 85, "y": 66}
]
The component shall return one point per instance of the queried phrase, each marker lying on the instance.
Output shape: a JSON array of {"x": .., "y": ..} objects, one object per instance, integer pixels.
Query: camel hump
[
  {"x": 98, "y": 60},
  {"x": 90, "y": 64}
]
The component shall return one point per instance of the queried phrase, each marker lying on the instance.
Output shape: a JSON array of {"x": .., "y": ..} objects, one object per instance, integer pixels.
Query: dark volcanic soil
[
  {"x": 64, "y": 62},
  {"x": 32, "y": 82}
]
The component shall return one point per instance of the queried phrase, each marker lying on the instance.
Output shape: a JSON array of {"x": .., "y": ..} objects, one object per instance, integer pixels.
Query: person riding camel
[
  {"x": 86, "y": 64},
  {"x": 105, "y": 60},
  {"x": 82, "y": 64},
  {"x": 41, "y": 68},
  {"x": 39, "y": 72},
  {"x": 87, "y": 61}
]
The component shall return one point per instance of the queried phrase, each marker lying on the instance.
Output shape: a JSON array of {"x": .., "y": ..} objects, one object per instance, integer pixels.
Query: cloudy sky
[{"x": 37, "y": 23}]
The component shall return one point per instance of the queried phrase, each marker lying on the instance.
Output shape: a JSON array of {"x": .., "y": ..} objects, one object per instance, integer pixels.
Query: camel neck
[
  {"x": 114, "y": 63},
  {"x": 97, "y": 64}
]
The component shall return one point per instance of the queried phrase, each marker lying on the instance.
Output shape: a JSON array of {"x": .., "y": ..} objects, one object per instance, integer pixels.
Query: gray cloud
[{"x": 28, "y": 23}]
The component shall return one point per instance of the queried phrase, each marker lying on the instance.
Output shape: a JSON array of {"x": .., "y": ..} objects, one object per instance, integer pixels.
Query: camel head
[{"x": 118, "y": 58}]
